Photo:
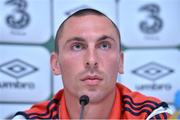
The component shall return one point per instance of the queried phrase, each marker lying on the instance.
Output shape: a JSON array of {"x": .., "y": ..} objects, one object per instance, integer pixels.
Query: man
[{"x": 89, "y": 57}]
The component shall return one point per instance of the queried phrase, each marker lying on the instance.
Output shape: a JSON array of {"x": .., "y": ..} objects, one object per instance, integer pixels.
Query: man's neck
[{"x": 100, "y": 110}]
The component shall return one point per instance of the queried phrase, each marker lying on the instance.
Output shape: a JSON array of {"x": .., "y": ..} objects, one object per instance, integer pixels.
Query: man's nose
[{"x": 91, "y": 59}]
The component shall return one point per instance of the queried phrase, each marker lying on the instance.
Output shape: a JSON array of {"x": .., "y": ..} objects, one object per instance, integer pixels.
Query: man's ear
[
  {"x": 55, "y": 66},
  {"x": 121, "y": 61}
]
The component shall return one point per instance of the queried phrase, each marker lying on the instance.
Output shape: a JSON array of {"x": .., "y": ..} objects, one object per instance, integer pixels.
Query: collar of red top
[{"x": 115, "y": 112}]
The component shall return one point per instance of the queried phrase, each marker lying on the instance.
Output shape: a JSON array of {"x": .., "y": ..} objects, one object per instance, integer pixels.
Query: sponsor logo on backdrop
[
  {"x": 69, "y": 12},
  {"x": 17, "y": 69},
  {"x": 152, "y": 23},
  {"x": 19, "y": 17},
  {"x": 153, "y": 71}
]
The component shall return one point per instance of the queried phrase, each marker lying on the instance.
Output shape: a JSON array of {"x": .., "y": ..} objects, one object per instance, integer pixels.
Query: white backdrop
[{"x": 150, "y": 31}]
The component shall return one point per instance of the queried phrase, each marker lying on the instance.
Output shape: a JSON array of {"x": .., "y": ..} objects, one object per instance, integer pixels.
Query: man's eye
[
  {"x": 105, "y": 45},
  {"x": 77, "y": 47}
]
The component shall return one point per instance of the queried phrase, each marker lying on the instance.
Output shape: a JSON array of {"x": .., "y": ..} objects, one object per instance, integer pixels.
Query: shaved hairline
[{"x": 80, "y": 13}]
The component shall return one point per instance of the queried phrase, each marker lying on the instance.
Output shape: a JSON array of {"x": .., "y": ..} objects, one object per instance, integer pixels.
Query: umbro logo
[
  {"x": 17, "y": 68},
  {"x": 152, "y": 71}
]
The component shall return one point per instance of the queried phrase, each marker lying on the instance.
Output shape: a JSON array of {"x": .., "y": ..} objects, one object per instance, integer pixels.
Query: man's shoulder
[
  {"x": 42, "y": 110},
  {"x": 136, "y": 105},
  {"x": 135, "y": 97}
]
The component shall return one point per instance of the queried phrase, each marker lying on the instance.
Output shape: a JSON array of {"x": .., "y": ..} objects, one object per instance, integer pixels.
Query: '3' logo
[
  {"x": 20, "y": 18},
  {"x": 153, "y": 24}
]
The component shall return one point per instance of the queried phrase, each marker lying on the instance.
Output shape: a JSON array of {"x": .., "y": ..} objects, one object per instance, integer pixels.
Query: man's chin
[{"x": 94, "y": 96}]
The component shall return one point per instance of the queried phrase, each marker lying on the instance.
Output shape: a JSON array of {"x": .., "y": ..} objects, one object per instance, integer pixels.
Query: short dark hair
[{"x": 83, "y": 12}]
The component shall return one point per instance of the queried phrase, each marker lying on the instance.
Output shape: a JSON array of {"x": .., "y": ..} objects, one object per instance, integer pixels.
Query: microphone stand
[
  {"x": 82, "y": 111},
  {"x": 84, "y": 100}
]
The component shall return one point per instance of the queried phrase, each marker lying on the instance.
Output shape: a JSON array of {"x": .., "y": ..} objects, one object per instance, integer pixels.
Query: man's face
[{"x": 89, "y": 57}]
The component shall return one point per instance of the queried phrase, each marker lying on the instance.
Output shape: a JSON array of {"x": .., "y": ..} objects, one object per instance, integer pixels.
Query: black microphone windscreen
[{"x": 84, "y": 99}]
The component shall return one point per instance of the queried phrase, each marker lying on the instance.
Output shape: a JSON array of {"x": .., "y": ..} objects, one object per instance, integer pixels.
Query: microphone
[{"x": 83, "y": 100}]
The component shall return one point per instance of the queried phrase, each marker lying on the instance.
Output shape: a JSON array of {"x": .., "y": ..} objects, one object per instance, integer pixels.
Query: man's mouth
[{"x": 92, "y": 80}]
